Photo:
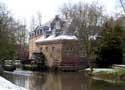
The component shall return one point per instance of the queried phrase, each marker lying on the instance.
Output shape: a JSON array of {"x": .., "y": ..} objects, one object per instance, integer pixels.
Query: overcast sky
[{"x": 25, "y": 9}]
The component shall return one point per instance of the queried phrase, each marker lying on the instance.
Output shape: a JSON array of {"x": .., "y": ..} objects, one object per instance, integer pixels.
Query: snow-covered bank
[
  {"x": 95, "y": 70},
  {"x": 7, "y": 85}
]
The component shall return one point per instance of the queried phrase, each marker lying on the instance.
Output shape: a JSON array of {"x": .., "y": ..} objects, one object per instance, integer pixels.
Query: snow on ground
[
  {"x": 7, "y": 85},
  {"x": 95, "y": 70},
  {"x": 20, "y": 72},
  {"x": 120, "y": 65}
]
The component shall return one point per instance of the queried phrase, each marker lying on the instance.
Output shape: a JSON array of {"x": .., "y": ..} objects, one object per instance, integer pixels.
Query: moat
[{"x": 59, "y": 81}]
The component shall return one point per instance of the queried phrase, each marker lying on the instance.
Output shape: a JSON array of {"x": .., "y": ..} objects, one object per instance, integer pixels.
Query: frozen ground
[{"x": 7, "y": 85}]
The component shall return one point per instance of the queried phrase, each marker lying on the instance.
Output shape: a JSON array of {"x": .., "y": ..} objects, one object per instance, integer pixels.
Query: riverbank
[
  {"x": 107, "y": 74},
  {"x": 7, "y": 85}
]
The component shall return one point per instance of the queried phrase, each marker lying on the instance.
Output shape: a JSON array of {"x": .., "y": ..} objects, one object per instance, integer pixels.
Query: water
[{"x": 60, "y": 81}]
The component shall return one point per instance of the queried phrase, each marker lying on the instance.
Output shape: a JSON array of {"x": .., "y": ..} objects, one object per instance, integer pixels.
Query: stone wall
[
  {"x": 63, "y": 53},
  {"x": 52, "y": 52},
  {"x": 60, "y": 52},
  {"x": 73, "y": 54},
  {"x": 32, "y": 45}
]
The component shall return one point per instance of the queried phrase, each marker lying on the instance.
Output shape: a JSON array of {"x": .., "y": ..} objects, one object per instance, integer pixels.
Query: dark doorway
[{"x": 40, "y": 60}]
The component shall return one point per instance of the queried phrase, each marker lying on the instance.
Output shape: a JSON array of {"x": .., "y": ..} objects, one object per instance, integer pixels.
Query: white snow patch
[
  {"x": 40, "y": 39},
  {"x": 43, "y": 39},
  {"x": 96, "y": 70},
  {"x": 53, "y": 38},
  {"x": 68, "y": 37},
  {"x": 120, "y": 65},
  {"x": 7, "y": 85}
]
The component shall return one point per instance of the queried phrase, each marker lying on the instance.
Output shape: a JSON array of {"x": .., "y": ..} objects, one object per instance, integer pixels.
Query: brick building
[
  {"x": 21, "y": 52},
  {"x": 61, "y": 50}
]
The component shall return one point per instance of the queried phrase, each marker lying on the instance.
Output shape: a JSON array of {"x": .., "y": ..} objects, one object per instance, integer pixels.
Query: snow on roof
[
  {"x": 7, "y": 85},
  {"x": 40, "y": 39},
  {"x": 53, "y": 38},
  {"x": 68, "y": 37}
]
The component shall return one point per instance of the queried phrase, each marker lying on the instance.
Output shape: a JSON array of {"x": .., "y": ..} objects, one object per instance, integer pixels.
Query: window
[
  {"x": 46, "y": 48},
  {"x": 53, "y": 48},
  {"x": 41, "y": 31},
  {"x": 46, "y": 28},
  {"x": 40, "y": 49},
  {"x": 37, "y": 32},
  {"x": 47, "y": 35},
  {"x": 33, "y": 34},
  {"x": 30, "y": 35},
  {"x": 70, "y": 49}
]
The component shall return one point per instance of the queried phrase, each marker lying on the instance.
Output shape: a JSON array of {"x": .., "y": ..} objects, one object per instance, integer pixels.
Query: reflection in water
[
  {"x": 37, "y": 81},
  {"x": 61, "y": 81}
]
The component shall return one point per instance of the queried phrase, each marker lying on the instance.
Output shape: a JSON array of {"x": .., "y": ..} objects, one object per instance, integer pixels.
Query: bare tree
[
  {"x": 86, "y": 20},
  {"x": 36, "y": 21},
  {"x": 33, "y": 23},
  {"x": 122, "y": 2},
  {"x": 39, "y": 18},
  {"x": 21, "y": 34}
]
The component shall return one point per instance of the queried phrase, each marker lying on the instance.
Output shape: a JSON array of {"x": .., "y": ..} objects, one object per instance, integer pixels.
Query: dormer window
[
  {"x": 41, "y": 31},
  {"x": 46, "y": 28},
  {"x": 57, "y": 25},
  {"x": 57, "y": 33},
  {"x": 33, "y": 33},
  {"x": 47, "y": 36},
  {"x": 30, "y": 34}
]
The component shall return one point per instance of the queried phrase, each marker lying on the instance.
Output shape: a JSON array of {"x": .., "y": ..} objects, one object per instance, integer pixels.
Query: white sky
[{"x": 25, "y": 9}]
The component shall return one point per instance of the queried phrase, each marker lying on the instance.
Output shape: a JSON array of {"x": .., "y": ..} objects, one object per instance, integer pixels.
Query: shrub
[{"x": 110, "y": 52}]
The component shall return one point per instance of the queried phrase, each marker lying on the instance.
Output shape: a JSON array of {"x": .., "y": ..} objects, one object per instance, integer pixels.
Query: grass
[
  {"x": 106, "y": 75},
  {"x": 116, "y": 75},
  {"x": 120, "y": 72}
]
